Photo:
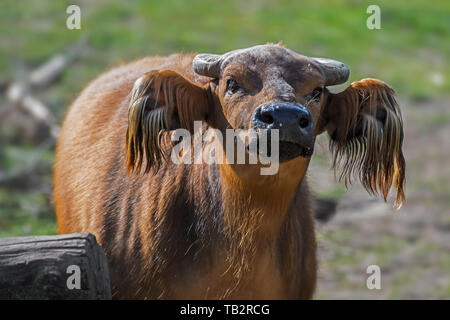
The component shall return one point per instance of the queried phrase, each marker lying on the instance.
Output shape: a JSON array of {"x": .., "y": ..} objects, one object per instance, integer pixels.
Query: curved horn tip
[
  {"x": 207, "y": 64},
  {"x": 336, "y": 72}
]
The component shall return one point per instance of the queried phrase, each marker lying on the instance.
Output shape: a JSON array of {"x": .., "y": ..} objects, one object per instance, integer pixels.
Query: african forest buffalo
[{"x": 217, "y": 230}]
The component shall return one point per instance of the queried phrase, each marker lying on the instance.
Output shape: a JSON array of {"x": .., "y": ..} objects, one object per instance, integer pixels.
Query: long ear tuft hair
[
  {"x": 368, "y": 140},
  {"x": 161, "y": 100}
]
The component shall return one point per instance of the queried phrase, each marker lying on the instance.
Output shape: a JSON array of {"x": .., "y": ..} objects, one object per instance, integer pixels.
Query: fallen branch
[
  {"x": 47, "y": 73},
  {"x": 20, "y": 93}
]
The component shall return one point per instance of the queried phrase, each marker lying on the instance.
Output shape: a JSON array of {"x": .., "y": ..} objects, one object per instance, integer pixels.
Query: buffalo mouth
[
  {"x": 290, "y": 150},
  {"x": 287, "y": 150}
]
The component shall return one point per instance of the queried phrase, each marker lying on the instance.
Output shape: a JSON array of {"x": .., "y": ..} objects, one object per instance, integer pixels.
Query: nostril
[
  {"x": 304, "y": 122},
  {"x": 266, "y": 117}
]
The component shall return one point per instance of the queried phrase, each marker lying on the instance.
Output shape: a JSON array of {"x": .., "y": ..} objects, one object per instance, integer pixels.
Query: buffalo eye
[
  {"x": 233, "y": 87},
  {"x": 315, "y": 95}
]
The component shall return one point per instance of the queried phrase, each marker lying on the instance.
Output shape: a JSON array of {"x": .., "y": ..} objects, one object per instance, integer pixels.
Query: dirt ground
[{"x": 411, "y": 246}]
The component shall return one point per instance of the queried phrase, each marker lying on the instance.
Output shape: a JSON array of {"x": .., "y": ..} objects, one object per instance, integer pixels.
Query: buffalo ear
[
  {"x": 161, "y": 100},
  {"x": 365, "y": 126}
]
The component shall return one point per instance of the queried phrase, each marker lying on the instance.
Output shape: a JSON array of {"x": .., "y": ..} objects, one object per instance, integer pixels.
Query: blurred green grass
[{"x": 410, "y": 52}]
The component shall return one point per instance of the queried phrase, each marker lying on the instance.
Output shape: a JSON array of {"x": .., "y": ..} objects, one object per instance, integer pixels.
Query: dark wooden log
[{"x": 38, "y": 267}]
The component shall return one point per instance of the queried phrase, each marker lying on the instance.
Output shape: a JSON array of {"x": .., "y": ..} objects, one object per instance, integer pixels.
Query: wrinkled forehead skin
[
  {"x": 269, "y": 56},
  {"x": 213, "y": 65}
]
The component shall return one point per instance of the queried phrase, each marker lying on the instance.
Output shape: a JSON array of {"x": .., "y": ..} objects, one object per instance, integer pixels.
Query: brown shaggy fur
[{"x": 375, "y": 157}]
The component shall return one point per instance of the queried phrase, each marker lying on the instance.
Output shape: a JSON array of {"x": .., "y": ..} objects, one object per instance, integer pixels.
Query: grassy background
[{"x": 410, "y": 52}]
